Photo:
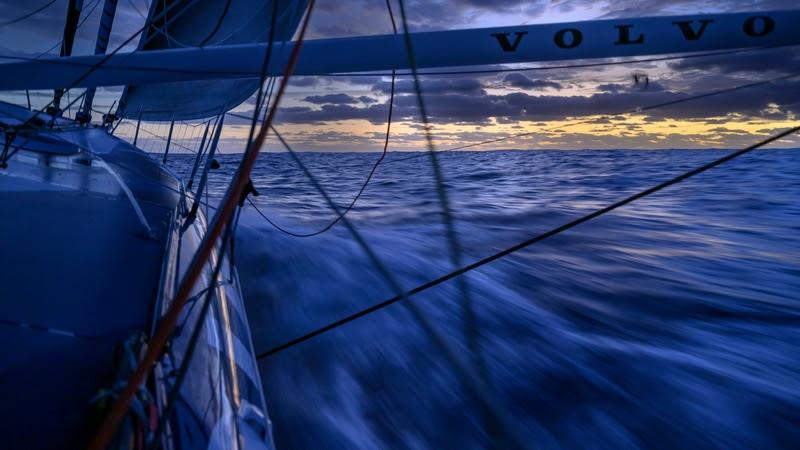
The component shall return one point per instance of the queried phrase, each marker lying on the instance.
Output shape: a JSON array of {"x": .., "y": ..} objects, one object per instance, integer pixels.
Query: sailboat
[{"x": 122, "y": 313}]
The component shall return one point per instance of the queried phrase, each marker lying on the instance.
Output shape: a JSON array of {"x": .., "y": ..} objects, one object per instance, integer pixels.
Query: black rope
[
  {"x": 58, "y": 44},
  {"x": 28, "y": 14},
  {"x": 136, "y": 8},
  {"x": 228, "y": 244},
  {"x": 201, "y": 151},
  {"x": 523, "y": 244},
  {"x": 475, "y": 383},
  {"x": 471, "y": 330},
  {"x": 263, "y": 75},
  {"x": 221, "y": 19},
  {"x": 349, "y": 207},
  {"x": 366, "y": 181}
]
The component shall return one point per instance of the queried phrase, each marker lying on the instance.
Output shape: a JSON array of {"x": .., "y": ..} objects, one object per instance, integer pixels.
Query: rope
[
  {"x": 193, "y": 272},
  {"x": 172, "y": 396},
  {"x": 521, "y": 245},
  {"x": 349, "y": 207},
  {"x": 136, "y": 8},
  {"x": 58, "y": 44},
  {"x": 28, "y": 14},
  {"x": 471, "y": 328},
  {"x": 263, "y": 75},
  {"x": 221, "y": 19},
  {"x": 475, "y": 383}
]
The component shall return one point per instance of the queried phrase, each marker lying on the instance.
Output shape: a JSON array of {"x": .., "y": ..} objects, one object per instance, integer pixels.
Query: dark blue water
[{"x": 673, "y": 322}]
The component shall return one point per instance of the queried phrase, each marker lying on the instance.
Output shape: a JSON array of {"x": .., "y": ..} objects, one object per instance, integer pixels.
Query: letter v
[
  {"x": 502, "y": 39},
  {"x": 688, "y": 32}
]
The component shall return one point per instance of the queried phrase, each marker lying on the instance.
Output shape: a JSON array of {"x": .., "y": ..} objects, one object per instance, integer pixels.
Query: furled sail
[{"x": 201, "y": 23}]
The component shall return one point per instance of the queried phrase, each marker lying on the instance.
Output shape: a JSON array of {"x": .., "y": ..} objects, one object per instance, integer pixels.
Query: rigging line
[
  {"x": 105, "y": 58},
  {"x": 237, "y": 216},
  {"x": 339, "y": 216},
  {"x": 471, "y": 326},
  {"x": 172, "y": 396},
  {"x": 521, "y": 245},
  {"x": 28, "y": 14},
  {"x": 167, "y": 324},
  {"x": 199, "y": 156},
  {"x": 203, "y": 183},
  {"x": 355, "y": 199},
  {"x": 629, "y": 111},
  {"x": 263, "y": 75},
  {"x": 221, "y": 18},
  {"x": 135, "y": 8},
  {"x": 58, "y": 44},
  {"x": 156, "y": 135},
  {"x": 474, "y": 383}
]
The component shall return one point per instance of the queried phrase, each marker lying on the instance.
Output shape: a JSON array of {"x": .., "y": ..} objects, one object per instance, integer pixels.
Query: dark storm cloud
[
  {"x": 519, "y": 80},
  {"x": 433, "y": 86},
  {"x": 331, "y": 113},
  {"x": 769, "y": 101},
  {"x": 651, "y": 86},
  {"x": 335, "y": 99}
]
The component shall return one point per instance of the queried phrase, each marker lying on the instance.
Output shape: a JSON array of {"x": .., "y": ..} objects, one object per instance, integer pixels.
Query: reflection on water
[{"x": 674, "y": 322}]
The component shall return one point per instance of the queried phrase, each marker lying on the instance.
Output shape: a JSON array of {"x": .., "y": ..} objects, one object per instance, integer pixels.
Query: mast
[
  {"x": 70, "y": 28},
  {"x": 103, "y": 35}
]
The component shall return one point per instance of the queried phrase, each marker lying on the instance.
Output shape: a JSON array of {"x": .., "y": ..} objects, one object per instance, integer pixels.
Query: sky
[{"x": 560, "y": 109}]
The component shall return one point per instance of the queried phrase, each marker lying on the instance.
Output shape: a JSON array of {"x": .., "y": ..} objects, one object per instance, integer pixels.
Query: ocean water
[{"x": 672, "y": 322}]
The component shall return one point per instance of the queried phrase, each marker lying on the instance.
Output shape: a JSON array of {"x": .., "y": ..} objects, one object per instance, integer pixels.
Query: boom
[{"x": 504, "y": 45}]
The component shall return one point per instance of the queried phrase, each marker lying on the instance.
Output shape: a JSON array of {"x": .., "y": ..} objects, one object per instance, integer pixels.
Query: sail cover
[{"x": 200, "y": 23}]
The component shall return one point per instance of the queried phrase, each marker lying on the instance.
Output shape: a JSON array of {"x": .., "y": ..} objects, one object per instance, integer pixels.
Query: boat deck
[{"x": 76, "y": 262}]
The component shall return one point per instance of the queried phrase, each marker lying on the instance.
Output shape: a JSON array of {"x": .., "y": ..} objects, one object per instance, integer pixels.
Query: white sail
[{"x": 200, "y": 24}]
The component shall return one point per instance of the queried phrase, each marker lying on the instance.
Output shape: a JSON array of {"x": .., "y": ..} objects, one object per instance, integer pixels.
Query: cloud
[
  {"x": 447, "y": 105},
  {"x": 433, "y": 86},
  {"x": 376, "y": 113},
  {"x": 519, "y": 80},
  {"x": 513, "y": 98},
  {"x": 335, "y": 99},
  {"x": 651, "y": 86}
]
